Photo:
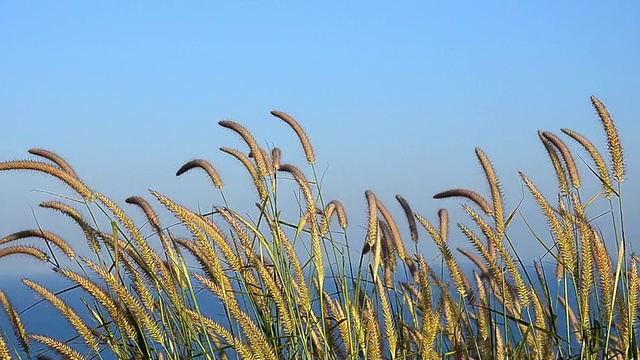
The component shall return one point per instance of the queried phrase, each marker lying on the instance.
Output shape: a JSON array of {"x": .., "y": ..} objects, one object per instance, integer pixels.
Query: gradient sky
[{"x": 394, "y": 96}]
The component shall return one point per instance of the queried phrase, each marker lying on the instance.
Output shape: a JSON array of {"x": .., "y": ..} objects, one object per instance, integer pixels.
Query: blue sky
[{"x": 394, "y": 96}]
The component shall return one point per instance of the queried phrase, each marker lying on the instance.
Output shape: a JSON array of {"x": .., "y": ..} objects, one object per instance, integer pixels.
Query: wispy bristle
[{"x": 71, "y": 316}]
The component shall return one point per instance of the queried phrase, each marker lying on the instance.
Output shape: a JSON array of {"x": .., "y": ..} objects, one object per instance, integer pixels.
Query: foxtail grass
[{"x": 270, "y": 285}]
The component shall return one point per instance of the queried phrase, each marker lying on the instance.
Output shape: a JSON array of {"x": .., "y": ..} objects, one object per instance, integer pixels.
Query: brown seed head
[
  {"x": 276, "y": 156},
  {"x": 57, "y": 159},
  {"x": 410, "y": 219},
  {"x": 566, "y": 156},
  {"x": 204, "y": 165},
  {"x": 443, "y": 214},
  {"x": 257, "y": 181},
  {"x": 557, "y": 164},
  {"x": 339, "y": 211},
  {"x": 148, "y": 211},
  {"x": 469, "y": 194},
  {"x": 304, "y": 186},
  {"x": 304, "y": 140},
  {"x": 253, "y": 145}
]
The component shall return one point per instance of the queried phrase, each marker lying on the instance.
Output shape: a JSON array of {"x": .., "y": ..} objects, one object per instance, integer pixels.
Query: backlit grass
[{"x": 145, "y": 296}]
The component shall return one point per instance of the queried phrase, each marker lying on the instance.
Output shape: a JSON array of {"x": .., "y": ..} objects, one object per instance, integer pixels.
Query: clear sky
[{"x": 395, "y": 96}]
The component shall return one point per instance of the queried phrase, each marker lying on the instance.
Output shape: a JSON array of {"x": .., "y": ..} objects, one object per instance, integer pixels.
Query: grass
[{"x": 145, "y": 295}]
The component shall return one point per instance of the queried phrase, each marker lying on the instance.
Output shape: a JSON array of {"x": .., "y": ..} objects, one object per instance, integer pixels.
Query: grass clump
[{"x": 152, "y": 297}]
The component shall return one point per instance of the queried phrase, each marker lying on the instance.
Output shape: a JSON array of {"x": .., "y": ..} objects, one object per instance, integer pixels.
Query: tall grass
[{"x": 145, "y": 295}]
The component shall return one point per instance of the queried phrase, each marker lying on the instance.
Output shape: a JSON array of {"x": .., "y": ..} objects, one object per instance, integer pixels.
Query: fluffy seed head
[
  {"x": 257, "y": 181},
  {"x": 409, "y": 214},
  {"x": 148, "y": 211},
  {"x": 613, "y": 140},
  {"x": 276, "y": 156},
  {"x": 57, "y": 159},
  {"x": 251, "y": 142},
  {"x": 372, "y": 230},
  {"x": 597, "y": 159},
  {"x": 304, "y": 140},
  {"x": 204, "y": 165},
  {"x": 469, "y": 194},
  {"x": 566, "y": 156},
  {"x": 56, "y": 172},
  {"x": 443, "y": 215},
  {"x": 43, "y": 234},
  {"x": 557, "y": 164},
  {"x": 494, "y": 186}
]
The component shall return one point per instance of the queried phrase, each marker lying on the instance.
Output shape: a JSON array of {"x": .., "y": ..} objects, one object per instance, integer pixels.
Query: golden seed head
[
  {"x": 304, "y": 186},
  {"x": 24, "y": 250},
  {"x": 395, "y": 232},
  {"x": 251, "y": 142},
  {"x": 56, "y": 172},
  {"x": 566, "y": 156},
  {"x": 603, "y": 172},
  {"x": 557, "y": 165},
  {"x": 45, "y": 235},
  {"x": 494, "y": 186},
  {"x": 253, "y": 171},
  {"x": 613, "y": 140},
  {"x": 55, "y": 158},
  {"x": 372, "y": 229},
  {"x": 335, "y": 206}
]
